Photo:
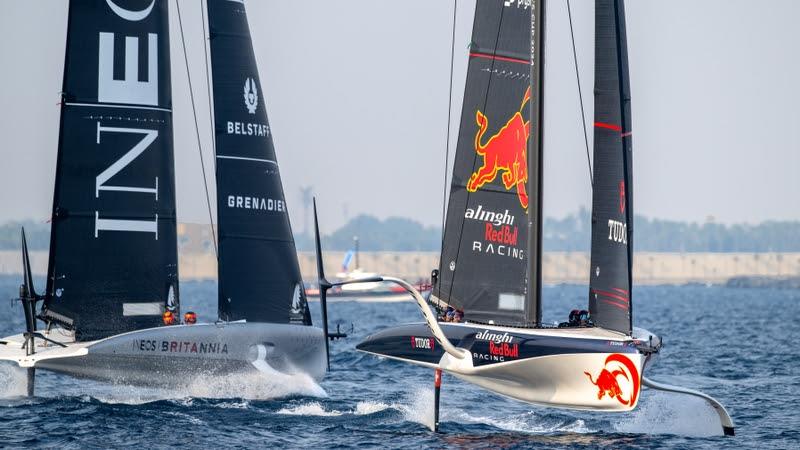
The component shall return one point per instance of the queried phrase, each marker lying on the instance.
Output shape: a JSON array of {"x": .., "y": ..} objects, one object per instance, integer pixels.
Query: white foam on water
[
  {"x": 528, "y": 422},
  {"x": 255, "y": 386},
  {"x": 13, "y": 381},
  {"x": 418, "y": 407},
  {"x": 667, "y": 413},
  {"x": 309, "y": 409},
  {"x": 367, "y": 408},
  {"x": 248, "y": 386}
]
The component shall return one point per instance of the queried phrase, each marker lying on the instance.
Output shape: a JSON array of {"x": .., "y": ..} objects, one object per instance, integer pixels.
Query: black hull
[{"x": 415, "y": 343}]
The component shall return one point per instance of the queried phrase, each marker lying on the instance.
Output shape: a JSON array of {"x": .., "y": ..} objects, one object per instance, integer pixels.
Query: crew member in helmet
[{"x": 169, "y": 318}]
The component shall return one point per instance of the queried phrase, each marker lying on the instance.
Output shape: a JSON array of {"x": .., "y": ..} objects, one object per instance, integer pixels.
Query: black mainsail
[
  {"x": 113, "y": 247},
  {"x": 612, "y": 203},
  {"x": 494, "y": 207},
  {"x": 259, "y": 275}
]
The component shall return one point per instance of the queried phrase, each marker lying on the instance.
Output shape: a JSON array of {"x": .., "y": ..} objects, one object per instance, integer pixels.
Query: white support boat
[
  {"x": 111, "y": 309},
  {"x": 487, "y": 328}
]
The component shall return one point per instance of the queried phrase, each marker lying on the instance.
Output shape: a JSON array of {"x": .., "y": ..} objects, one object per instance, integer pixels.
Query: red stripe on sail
[
  {"x": 614, "y": 304},
  {"x": 608, "y": 126},
  {"x": 611, "y": 295},
  {"x": 499, "y": 58}
]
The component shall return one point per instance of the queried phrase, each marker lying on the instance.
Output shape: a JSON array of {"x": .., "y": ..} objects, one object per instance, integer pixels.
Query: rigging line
[
  {"x": 475, "y": 154},
  {"x": 203, "y": 7},
  {"x": 197, "y": 131},
  {"x": 580, "y": 94},
  {"x": 449, "y": 115}
]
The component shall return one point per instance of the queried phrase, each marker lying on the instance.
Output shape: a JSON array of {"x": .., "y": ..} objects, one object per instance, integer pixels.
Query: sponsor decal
[
  {"x": 505, "y": 350},
  {"x": 250, "y": 95},
  {"x": 497, "y": 338},
  {"x": 617, "y": 368},
  {"x": 257, "y": 203},
  {"x": 500, "y": 236},
  {"x": 152, "y": 345},
  {"x": 490, "y": 217},
  {"x": 524, "y": 4},
  {"x": 506, "y": 152},
  {"x": 617, "y": 231},
  {"x": 622, "y": 197},
  {"x": 248, "y": 129},
  {"x": 128, "y": 89},
  {"x": 425, "y": 343},
  {"x": 251, "y": 103}
]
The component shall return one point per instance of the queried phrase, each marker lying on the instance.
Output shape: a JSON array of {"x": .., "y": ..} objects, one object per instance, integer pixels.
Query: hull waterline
[{"x": 177, "y": 355}]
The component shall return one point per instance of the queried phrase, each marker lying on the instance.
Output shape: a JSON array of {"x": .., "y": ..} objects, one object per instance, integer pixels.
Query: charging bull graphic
[
  {"x": 607, "y": 381},
  {"x": 506, "y": 151}
]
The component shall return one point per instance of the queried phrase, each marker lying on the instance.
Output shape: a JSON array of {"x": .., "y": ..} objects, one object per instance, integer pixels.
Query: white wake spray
[{"x": 666, "y": 413}]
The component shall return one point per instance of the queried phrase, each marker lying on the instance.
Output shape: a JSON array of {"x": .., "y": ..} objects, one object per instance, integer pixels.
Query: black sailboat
[
  {"x": 112, "y": 296},
  {"x": 487, "y": 328}
]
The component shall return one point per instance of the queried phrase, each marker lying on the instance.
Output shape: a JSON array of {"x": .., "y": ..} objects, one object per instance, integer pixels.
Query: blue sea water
[{"x": 739, "y": 345}]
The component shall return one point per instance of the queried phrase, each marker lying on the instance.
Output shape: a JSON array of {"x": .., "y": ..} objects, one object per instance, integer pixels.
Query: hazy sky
[{"x": 357, "y": 91}]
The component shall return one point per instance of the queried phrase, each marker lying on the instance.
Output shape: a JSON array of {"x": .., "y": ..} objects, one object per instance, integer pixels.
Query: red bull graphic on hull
[
  {"x": 506, "y": 151},
  {"x": 617, "y": 367}
]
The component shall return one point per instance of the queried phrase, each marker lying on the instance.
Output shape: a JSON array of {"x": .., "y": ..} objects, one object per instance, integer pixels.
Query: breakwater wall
[{"x": 558, "y": 267}]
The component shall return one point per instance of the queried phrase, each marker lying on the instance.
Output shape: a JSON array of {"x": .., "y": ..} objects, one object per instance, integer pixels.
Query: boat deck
[{"x": 11, "y": 348}]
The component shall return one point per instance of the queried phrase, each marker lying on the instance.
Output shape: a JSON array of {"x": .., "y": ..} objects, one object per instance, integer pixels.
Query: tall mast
[
  {"x": 535, "y": 162},
  {"x": 612, "y": 200}
]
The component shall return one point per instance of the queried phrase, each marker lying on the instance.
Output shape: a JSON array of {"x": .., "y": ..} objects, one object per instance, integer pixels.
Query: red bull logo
[
  {"x": 617, "y": 367},
  {"x": 506, "y": 151}
]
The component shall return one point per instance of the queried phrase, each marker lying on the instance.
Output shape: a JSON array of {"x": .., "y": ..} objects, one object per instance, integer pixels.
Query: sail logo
[
  {"x": 524, "y": 4},
  {"x": 617, "y": 231},
  {"x": 251, "y": 103},
  {"x": 506, "y": 152},
  {"x": 256, "y": 203},
  {"x": 127, "y": 90},
  {"x": 496, "y": 218},
  {"x": 250, "y": 95},
  {"x": 618, "y": 379},
  {"x": 500, "y": 235},
  {"x": 622, "y": 197}
]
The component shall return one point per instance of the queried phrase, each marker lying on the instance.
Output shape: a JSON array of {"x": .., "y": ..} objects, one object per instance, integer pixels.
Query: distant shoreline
[{"x": 730, "y": 269}]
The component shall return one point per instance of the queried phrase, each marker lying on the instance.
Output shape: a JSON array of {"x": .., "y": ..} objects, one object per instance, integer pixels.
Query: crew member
[{"x": 169, "y": 318}]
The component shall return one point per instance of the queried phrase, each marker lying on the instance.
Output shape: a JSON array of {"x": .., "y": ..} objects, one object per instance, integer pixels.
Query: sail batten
[
  {"x": 612, "y": 202},
  {"x": 113, "y": 247},
  {"x": 259, "y": 275},
  {"x": 484, "y": 261}
]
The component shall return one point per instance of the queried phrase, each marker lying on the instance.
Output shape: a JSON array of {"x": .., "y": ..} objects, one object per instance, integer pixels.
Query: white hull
[
  {"x": 176, "y": 355},
  {"x": 556, "y": 381}
]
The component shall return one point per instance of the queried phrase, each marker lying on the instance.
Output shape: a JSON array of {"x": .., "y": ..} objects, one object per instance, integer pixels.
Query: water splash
[
  {"x": 309, "y": 409},
  {"x": 418, "y": 407},
  {"x": 255, "y": 386},
  {"x": 247, "y": 386},
  {"x": 367, "y": 408},
  {"x": 666, "y": 413},
  {"x": 13, "y": 381}
]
